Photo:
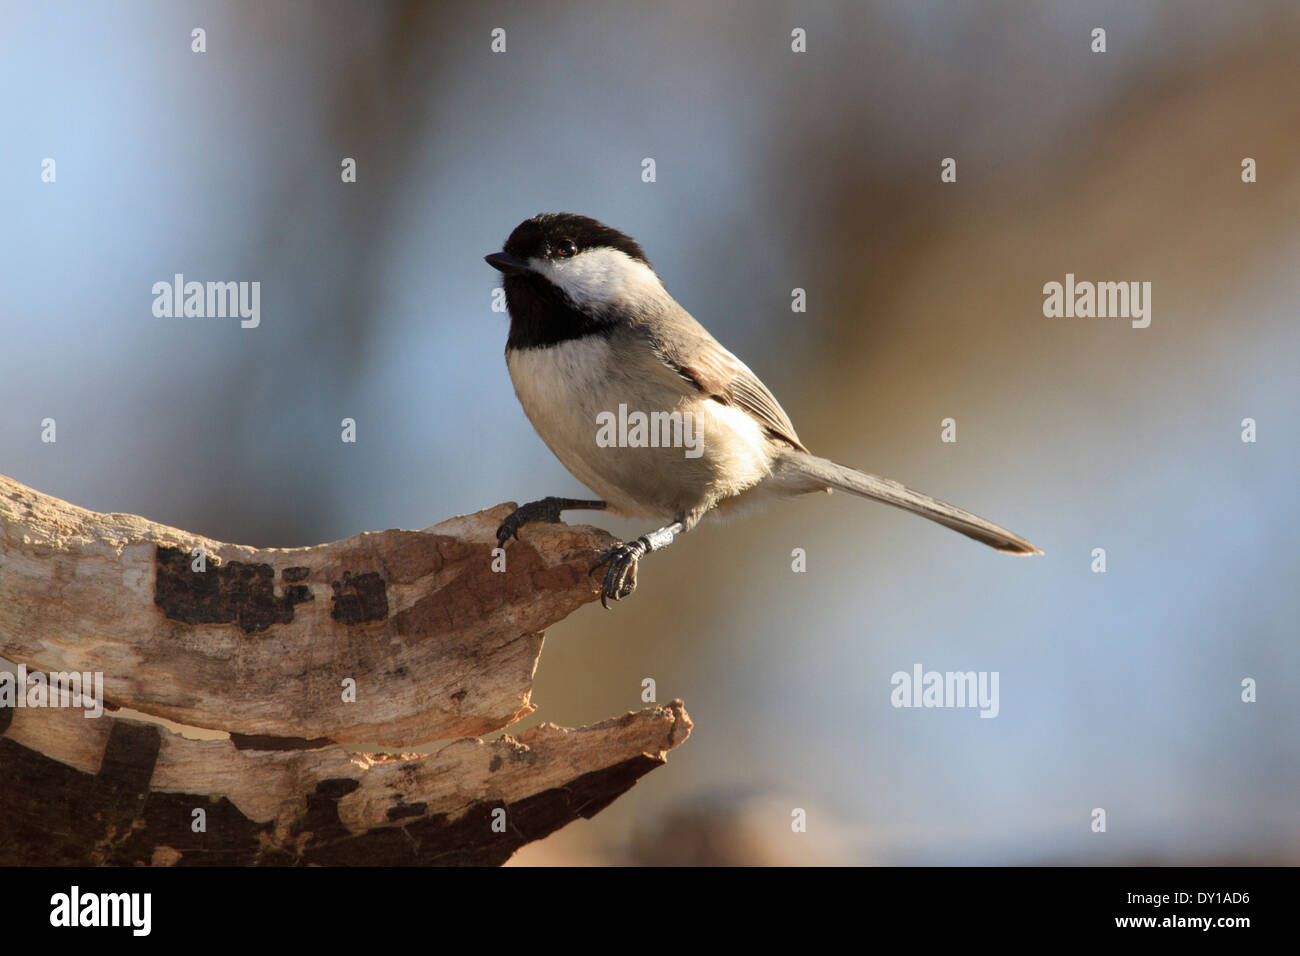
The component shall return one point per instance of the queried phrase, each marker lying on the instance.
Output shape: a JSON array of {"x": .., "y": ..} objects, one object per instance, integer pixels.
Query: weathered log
[{"x": 399, "y": 638}]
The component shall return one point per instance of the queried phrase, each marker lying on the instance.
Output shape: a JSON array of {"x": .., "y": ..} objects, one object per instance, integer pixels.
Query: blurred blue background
[{"x": 775, "y": 170}]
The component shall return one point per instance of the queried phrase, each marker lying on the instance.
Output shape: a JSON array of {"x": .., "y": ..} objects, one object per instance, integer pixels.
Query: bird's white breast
[{"x": 564, "y": 387}]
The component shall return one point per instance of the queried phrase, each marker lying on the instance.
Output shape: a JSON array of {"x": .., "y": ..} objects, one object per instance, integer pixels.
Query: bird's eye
[{"x": 566, "y": 248}]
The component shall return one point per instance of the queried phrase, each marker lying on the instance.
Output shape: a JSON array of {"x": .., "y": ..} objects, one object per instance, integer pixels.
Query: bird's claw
[
  {"x": 508, "y": 529},
  {"x": 620, "y": 578},
  {"x": 547, "y": 510}
]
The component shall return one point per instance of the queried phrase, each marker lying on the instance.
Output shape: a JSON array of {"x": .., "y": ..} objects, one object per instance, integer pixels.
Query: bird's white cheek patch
[{"x": 599, "y": 277}]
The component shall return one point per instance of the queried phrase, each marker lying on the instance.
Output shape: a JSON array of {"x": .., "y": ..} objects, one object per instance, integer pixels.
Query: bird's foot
[
  {"x": 620, "y": 578},
  {"x": 547, "y": 509}
]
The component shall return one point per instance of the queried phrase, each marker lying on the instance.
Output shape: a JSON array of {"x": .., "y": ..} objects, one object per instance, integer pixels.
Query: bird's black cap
[{"x": 541, "y": 237}]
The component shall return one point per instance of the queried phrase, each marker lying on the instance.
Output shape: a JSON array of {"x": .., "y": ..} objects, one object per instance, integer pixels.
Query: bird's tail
[{"x": 800, "y": 471}]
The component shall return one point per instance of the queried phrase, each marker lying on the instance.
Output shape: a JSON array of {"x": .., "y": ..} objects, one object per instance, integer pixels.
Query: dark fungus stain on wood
[
  {"x": 359, "y": 598},
  {"x": 234, "y": 592},
  {"x": 52, "y": 814},
  {"x": 403, "y": 810},
  {"x": 129, "y": 758},
  {"x": 475, "y": 837},
  {"x": 322, "y": 817}
]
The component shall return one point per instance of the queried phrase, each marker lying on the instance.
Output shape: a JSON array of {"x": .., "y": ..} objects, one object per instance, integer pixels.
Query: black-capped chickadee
[{"x": 646, "y": 408}]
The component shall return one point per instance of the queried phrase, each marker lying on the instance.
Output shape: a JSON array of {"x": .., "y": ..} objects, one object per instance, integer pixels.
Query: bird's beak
[{"x": 506, "y": 263}]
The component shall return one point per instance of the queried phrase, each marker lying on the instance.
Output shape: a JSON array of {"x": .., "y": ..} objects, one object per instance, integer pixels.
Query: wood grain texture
[{"x": 439, "y": 644}]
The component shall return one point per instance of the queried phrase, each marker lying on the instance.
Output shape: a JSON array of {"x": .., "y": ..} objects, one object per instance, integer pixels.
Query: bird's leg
[
  {"x": 547, "y": 509},
  {"x": 620, "y": 579}
]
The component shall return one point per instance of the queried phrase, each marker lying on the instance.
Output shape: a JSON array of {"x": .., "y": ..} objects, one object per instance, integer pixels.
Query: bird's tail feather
[{"x": 799, "y": 468}]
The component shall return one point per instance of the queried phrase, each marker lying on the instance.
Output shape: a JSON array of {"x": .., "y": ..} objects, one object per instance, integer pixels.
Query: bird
[{"x": 597, "y": 348}]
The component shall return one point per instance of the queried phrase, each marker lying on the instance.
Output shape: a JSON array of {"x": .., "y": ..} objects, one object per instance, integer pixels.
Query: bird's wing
[{"x": 699, "y": 358}]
